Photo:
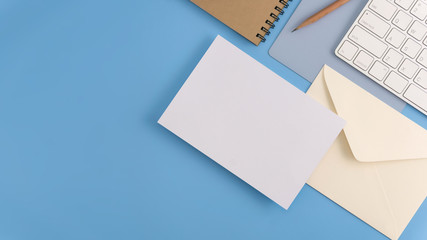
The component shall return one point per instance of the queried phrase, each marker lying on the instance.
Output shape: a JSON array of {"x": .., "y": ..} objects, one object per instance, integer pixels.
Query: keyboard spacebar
[
  {"x": 417, "y": 96},
  {"x": 368, "y": 41}
]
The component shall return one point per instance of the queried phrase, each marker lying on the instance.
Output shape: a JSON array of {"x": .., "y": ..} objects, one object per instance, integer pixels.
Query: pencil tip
[{"x": 294, "y": 29}]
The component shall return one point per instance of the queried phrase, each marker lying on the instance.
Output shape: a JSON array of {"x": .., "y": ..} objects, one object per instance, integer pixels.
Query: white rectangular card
[{"x": 252, "y": 122}]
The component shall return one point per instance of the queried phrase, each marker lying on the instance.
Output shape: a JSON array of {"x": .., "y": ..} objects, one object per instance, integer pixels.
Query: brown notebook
[{"x": 251, "y": 18}]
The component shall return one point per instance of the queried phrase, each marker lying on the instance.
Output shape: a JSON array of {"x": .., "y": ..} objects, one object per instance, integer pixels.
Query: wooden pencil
[{"x": 325, "y": 11}]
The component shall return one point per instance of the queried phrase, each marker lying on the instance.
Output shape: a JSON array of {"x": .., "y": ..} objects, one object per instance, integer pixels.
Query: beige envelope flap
[
  {"x": 374, "y": 130},
  {"x": 385, "y": 194},
  {"x": 351, "y": 184}
]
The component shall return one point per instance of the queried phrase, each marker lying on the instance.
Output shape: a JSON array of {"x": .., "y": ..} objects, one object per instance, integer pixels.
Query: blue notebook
[{"x": 306, "y": 51}]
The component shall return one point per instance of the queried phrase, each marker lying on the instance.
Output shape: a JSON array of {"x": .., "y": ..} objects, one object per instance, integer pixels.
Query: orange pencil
[{"x": 321, "y": 13}]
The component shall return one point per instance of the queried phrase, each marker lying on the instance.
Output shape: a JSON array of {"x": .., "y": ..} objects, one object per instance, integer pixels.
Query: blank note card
[{"x": 252, "y": 122}]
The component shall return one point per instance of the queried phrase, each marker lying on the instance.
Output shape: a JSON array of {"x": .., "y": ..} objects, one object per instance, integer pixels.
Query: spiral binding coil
[{"x": 275, "y": 17}]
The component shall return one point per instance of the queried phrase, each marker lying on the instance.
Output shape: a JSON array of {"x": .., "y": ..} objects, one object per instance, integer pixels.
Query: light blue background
[{"x": 82, "y": 85}]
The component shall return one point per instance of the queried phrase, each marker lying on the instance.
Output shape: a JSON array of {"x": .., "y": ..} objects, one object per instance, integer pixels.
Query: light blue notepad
[{"x": 306, "y": 51}]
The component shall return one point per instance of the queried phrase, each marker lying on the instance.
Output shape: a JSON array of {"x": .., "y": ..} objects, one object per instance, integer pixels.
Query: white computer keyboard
[{"x": 388, "y": 44}]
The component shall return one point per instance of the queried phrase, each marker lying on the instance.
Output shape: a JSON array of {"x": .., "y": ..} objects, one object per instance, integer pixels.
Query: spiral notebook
[{"x": 252, "y": 19}]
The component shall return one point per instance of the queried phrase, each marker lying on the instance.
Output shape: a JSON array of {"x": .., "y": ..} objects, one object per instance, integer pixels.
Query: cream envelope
[{"x": 360, "y": 171}]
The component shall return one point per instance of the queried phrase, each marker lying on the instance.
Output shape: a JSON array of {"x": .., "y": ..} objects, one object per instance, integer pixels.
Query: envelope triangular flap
[{"x": 374, "y": 130}]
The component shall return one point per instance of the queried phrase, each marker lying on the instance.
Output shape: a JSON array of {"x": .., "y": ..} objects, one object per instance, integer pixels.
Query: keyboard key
[
  {"x": 396, "y": 82},
  {"x": 378, "y": 71},
  {"x": 405, "y": 4},
  {"x": 402, "y": 20},
  {"x": 368, "y": 41},
  {"x": 393, "y": 58},
  {"x": 384, "y": 8},
  {"x": 395, "y": 38},
  {"x": 408, "y": 68},
  {"x": 411, "y": 48},
  {"x": 388, "y": 44},
  {"x": 419, "y": 10},
  {"x": 417, "y": 30},
  {"x": 421, "y": 79},
  {"x": 348, "y": 50},
  {"x": 363, "y": 60},
  {"x": 375, "y": 24},
  {"x": 422, "y": 59},
  {"x": 417, "y": 96}
]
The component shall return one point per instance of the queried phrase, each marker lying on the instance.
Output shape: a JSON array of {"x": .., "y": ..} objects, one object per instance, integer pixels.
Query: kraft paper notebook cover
[
  {"x": 252, "y": 122},
  {"x": 252, "y": 19}
]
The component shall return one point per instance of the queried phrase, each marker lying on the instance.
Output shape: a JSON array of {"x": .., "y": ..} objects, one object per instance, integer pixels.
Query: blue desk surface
[{"x": 82, "y": 85}]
